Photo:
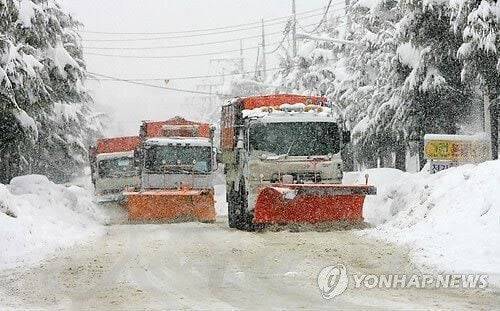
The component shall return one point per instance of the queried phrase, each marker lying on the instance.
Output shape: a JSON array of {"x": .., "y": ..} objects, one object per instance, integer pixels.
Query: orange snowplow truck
[
  {"x": 177, "y": 163},
  {"x": 113, "y": 167},
  {"x": 283, "y": 164}
]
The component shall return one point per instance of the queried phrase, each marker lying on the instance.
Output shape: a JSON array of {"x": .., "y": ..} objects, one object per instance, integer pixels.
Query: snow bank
[
  {"x": 38, "y": 217},
  {"x": 450, "y": 220}
]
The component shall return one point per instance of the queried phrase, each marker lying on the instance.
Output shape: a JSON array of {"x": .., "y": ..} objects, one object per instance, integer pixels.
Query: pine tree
[
  {"x": 46, "y": 114},
  {"x": 365, "y": 81},
  {"x": 311, "y": 71},
  {"x": 479, "y": 24},
  {"x": 433, "y": 97}
]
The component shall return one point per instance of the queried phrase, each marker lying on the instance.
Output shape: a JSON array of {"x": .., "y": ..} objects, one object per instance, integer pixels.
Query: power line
[
  {"x": 191, "y": 35},
  {"x": 160, "y": 87},
  {"x": 285, "y": 35},
  {"x": 162, "y": 47},
  {"x": 173, "y": 56},
  {"x": 181, "y": 45},
  {"x": 201, "y": 29},
  {"x": 323, "y": 19},
  {"x": 197, "y": 77}
]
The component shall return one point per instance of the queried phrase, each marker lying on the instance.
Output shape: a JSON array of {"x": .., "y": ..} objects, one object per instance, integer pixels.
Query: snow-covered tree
[
  {"x": 311, "y": 71},
  {"x": 433, "y": 97},
  {"x": 46, "y": 114},
  {"x": 368, "y": 87},
  {"x": 479, "y": 24}
]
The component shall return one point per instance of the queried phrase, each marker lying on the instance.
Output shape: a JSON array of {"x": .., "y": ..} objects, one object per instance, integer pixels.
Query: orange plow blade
[
  {"x": 171, "y": 205},
  {"x": 310, "y": 204}
]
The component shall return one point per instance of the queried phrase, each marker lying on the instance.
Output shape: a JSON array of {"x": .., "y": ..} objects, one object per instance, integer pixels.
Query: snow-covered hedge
[
  {"x": 450, "y": 220},
  {"x": 38, "y": 217}
]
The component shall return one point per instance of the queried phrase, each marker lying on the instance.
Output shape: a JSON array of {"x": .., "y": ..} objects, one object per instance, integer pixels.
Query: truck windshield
[
  {"x": 295, "y": 138},
  {"x": 117, "y": 167},
  {"x": 184, "y": 159}
]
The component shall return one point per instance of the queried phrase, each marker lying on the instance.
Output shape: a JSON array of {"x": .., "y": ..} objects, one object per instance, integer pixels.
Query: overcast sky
[{"x": 129, "y": 104}]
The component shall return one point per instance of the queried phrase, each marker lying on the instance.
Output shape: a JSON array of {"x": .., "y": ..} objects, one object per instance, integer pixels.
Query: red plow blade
[
  {"x": 171, "y": 206},
  {"x": 310, "y": 204}
]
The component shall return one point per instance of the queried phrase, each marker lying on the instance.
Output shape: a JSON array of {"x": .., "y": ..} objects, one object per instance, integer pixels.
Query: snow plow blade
[
  {"x": 170, "y": 206},
  {"x": 310, "y": 204}
]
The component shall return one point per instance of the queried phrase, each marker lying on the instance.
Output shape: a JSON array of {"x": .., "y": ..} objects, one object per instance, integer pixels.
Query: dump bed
[
  {"x": 280, "y": 99},
  {"x": 175, "y": 127},
  {"x": 116, "y": 144}
]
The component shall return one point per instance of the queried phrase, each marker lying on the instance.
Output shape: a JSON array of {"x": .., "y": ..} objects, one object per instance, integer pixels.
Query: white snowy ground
[
  {"x": 38, "y": 217},
  {"x": 450, "y": 220}
]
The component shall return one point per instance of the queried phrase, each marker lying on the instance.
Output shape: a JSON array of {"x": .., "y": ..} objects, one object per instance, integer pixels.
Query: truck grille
[{"x": 300, "y": 177}]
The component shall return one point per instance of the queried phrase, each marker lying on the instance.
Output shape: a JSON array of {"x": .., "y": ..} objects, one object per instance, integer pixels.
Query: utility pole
[
  {"x": 294, "y": 29},
  {"x": 242, "y": 60},
  {"x": 487, "y": 117},
  {"x": 491, "y": 123},
  {"x": 348, "y": 21},
  {"x": 263, "y": 52},
  {"x": 256, "y": 70}
]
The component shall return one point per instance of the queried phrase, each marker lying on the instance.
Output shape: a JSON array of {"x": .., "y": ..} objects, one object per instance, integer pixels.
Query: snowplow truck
[
  {"x": 283, "y": 165},
  {"x": 113, "y": 167},
  {"x": 177, "y": 163}
]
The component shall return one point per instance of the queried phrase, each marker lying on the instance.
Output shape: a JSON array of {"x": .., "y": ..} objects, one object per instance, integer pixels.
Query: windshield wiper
[
  {"x": 177, "y": 170},
  {"x": 291, "y": 146}
]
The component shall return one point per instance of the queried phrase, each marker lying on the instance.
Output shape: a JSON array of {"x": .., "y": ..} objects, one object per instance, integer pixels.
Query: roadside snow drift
[
  {"x": 38, "y": 217},
  {"x": 450, "y": 220}
]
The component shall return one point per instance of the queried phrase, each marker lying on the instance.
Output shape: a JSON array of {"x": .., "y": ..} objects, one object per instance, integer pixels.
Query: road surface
[{"x": 208, "y": 266}]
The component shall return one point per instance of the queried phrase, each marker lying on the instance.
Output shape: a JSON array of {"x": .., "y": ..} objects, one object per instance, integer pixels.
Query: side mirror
[
  {"x": 216, "y": 159},
  {"x": 240, "y": 143},
  {"x": 346, "y": 137},
  {"x": 137, "y": 157}
]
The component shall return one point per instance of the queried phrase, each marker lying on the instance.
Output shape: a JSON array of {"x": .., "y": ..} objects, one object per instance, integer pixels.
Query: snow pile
[
  {"x": 38, "y": 217},
  {"x": 450, "y": 220}
]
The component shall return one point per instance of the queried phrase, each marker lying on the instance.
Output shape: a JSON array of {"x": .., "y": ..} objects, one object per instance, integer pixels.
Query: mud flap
[
  {"x": 310, "y": 204},
  {"x": 171, "y": 206}
]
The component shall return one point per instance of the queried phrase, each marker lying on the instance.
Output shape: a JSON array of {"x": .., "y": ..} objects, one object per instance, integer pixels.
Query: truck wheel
[
  {"x": 231, "y": 206},
  {"x": 244, "y": 217}
]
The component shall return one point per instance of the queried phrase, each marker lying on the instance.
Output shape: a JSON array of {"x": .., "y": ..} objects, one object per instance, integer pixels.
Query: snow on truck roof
[
  {"x": 182, "y": 141},
  {"x": 115, "y": 155},
  {"x": 276, "y": 100},
  {"x": 292, "y": 113}
]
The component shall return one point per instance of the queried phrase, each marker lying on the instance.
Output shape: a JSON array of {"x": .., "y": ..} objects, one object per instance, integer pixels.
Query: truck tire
[
  {"x": 244, "y": 218},
  {"x": 231, "y": 206}
]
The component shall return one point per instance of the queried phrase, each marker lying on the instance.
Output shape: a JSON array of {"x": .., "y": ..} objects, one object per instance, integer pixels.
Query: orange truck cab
[
  {"x": 113, "y": 167},
  {"x": 176, "y": 159}
]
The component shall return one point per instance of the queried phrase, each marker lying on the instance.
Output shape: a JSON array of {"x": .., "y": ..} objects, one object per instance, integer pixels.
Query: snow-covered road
[{"x": 208, "y": 266}]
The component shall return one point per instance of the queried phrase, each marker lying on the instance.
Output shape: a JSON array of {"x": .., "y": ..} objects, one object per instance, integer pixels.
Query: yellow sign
[{"x": 459, "y": 150}]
